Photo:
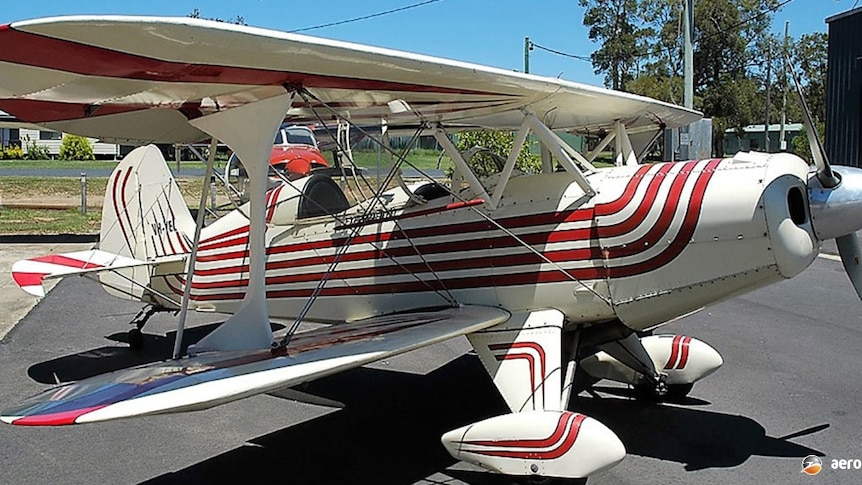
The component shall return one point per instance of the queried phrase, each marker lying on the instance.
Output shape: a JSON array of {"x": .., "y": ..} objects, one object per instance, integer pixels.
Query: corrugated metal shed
[{"x": 844, "y": 89}]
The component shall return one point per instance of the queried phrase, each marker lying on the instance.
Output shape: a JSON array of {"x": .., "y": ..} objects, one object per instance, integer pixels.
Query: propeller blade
[
  {"x": 824, "y": 171},
  {"x": 851, "y": 257}
]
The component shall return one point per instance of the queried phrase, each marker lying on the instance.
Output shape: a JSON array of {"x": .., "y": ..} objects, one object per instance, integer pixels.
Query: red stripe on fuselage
[
  {"x": 221, "y": 241},
  {"x": 673, "y": 249}
]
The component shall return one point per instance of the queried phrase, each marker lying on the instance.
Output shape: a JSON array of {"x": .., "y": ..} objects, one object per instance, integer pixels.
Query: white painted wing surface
[
  {"x": 215, "y": 378},
  {"x": 141, "y": 79}
]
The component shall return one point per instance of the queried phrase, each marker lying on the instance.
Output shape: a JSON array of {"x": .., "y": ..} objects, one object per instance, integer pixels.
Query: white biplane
[{"x": 546, "y": 274}]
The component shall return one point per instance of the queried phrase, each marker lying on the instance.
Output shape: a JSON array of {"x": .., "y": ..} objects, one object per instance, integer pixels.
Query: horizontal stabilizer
[
  {"x": 30, "y": 273},
  {"x": 214, "y": 378}
]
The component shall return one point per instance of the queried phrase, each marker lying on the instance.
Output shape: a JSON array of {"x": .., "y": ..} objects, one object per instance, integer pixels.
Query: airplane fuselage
[{"x": 656, "y": 242}]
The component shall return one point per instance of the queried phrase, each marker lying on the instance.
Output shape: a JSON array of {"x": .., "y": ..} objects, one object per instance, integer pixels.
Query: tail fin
[{"x": 144, "y": 217}]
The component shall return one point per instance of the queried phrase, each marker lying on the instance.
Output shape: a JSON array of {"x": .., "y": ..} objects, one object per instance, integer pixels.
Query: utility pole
[
  {"x": 528, "y": 46},
  {"x": 688, "y": 75},
  {"x": 688, "y": 59},
  {"x": 782, "y": 143},
  {"x": 768, "y": 91}
]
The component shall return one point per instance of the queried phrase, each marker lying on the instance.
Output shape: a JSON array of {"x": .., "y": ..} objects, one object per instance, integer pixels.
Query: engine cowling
[{"x": 558, "y": 444}]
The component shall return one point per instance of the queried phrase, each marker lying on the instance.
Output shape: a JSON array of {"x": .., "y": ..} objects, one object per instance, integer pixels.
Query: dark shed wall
[{"x": 844, "y": 89}]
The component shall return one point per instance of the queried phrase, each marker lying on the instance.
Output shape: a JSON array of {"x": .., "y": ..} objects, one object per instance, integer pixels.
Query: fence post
[
  {"x": 84, "y": 193},
  {"x": 213, "y": 193}
]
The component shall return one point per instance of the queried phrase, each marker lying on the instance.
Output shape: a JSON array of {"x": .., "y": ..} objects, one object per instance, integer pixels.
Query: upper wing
[
  {"x": 141, "y": 79},
  {"x": 215, "y": 378}
]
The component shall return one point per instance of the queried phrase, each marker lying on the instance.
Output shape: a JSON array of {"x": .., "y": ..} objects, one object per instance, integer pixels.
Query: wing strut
[
  {"x": 190, "y": 269},
  {"x": 442, "y": 137},
  {"x": 249, "y": 131}
]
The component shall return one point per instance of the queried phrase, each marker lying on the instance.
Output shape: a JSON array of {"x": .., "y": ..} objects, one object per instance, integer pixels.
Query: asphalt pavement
[
  {"x": 790, "y": 387},
  {"x": 15, "y": 304}
]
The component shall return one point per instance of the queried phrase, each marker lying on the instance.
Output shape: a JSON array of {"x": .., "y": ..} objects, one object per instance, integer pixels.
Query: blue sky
[{"x": 479, "y": 31}]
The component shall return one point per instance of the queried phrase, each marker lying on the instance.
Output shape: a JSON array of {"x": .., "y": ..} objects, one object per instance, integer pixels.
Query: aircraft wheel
[
  {"x": 136, "y": 339},
  {"x": 675, "y": 392}
]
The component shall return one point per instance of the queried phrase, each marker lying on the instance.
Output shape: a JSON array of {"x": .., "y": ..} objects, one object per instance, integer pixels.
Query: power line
[
  {"x": 745, "y": 21},
  {"x": 366, "y": 17},
  {"x": 560, "y": 53}
]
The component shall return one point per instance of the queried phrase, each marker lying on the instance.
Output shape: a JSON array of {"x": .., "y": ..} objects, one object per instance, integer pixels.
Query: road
[
  {"x": 407, "y": 173},
  {"x": 790, "y": 386}
]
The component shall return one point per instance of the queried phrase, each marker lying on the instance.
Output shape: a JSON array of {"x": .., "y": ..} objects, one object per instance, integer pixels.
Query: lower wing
[{"x": 214, "y": 378}]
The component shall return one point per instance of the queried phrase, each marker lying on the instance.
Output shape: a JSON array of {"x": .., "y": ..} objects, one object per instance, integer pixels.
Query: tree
[
  {"x": 239, "y": 20},
  {"x": 74, "y": 147},
  {"x": 809, "y": 60},
  {"x": 610, "y": 22},
  {"x": 499, "y": 143}
]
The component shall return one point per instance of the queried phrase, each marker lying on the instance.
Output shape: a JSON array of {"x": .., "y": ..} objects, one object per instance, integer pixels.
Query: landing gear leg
[
  {"x": 136, "y": 337},
  {"x": 631, "y": 352}
]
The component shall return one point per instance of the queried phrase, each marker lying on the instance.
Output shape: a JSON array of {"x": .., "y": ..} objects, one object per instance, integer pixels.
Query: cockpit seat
[{"x": 321, "y": 196}]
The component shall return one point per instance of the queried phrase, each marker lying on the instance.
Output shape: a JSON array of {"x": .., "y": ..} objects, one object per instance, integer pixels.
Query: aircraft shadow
[
  {"x": 696, "y": 438},
  {"x": 389, "y": 432},
  {"x": 107, "y": 359}
]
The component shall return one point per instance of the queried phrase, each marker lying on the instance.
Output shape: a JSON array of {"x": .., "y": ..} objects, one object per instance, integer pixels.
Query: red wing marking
[
  {"x": 61, "y": 418},
  {"x": 31, "y": 49},
  {"x": 39, "y": 111},
  {"x": 560, "y": 442}
]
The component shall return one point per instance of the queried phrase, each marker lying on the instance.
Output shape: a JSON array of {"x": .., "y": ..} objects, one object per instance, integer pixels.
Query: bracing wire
[
  {"x": 355, "y": 232},
  {"x": 481, "y": 214},
  {"x": 365, "y": 17}
]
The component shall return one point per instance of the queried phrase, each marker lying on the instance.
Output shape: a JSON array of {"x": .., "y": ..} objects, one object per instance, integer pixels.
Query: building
[
  {"x": 51, "y": 141},
  {"x": 753, "y": 138},
  {"x": 844, "y": 89},
  {"x": 14, "y": 132},
  {"x": 8, "y": 130}
]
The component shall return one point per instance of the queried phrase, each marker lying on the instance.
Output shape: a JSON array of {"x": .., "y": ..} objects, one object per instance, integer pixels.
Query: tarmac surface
[{"x": 790, "y": 386}]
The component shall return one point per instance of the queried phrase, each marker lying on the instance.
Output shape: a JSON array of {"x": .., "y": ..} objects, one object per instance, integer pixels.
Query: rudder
[{"x": 144, "y": 217}]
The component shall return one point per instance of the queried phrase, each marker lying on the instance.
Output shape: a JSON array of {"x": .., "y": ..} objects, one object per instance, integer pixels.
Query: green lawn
[
  {"x": 422, "y": 159},
  {"x": 48, "y": 221},
  {"x": 78, "y": 165}
]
